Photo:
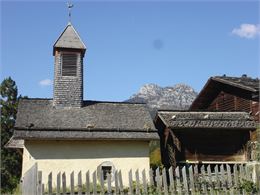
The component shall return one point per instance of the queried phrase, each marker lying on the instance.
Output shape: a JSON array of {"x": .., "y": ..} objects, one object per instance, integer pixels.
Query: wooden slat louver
[{"x": 69, "y": 64}]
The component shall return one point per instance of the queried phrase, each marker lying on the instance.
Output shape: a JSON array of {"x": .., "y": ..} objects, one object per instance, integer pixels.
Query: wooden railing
[{"x": 193, "y": 179}]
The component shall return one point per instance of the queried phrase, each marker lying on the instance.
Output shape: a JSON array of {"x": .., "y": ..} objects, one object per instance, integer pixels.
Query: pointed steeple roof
[{"x": 69, "y": 38}]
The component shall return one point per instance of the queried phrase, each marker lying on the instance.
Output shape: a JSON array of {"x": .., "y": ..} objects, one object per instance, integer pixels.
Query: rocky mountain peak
[
  {"x": 148, "y": 90},
  {"x": 178, "y": 97}
]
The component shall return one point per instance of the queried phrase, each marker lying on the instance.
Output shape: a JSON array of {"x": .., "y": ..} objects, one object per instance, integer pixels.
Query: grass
[{"x": 18, "y": 190}]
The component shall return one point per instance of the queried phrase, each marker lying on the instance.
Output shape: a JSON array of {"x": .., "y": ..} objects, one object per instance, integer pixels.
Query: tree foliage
[
  {"x": 10, "y": 158},
  {"x": 155, "y": 154}
]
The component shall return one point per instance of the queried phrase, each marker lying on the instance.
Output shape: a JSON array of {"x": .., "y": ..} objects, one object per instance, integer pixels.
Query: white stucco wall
[{"x": 68, "y": 156}]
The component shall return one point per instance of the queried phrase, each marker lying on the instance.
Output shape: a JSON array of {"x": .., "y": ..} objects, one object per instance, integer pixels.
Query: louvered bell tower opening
[{"x": 69, "y": 64}]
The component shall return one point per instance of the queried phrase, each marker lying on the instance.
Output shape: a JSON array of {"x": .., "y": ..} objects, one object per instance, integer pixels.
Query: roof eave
[
  {"x": 200, "y": 93},
  {"x": 234, "y": 84},
  {"x": 214, "y": 128},
  {"x": 78, "y": 49},
  {"x": 83, "y": 135},
  {"x": 84, "y": 129},
  {"x": 14, "y": 143},
  {"x": 164, "y": 121}
]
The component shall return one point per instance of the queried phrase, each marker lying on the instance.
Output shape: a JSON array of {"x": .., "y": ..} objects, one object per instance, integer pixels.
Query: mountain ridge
[{"x": 176, "y": 97}]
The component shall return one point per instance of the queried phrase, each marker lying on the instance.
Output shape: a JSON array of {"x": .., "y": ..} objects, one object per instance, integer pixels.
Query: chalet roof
[
  {"x": 37, "y": 118},
  {"x": 69, "y": 38},
  {"x": 206, "y": 120},
  {"x": 244, "y": 87},
  {"x": 243, "y": 82}
]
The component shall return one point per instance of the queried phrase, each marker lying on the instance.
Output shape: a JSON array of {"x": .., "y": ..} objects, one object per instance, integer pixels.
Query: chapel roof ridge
[{"x": 87, "y": 101}]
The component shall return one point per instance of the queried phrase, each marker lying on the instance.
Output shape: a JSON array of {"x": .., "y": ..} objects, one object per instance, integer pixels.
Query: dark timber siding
[
  {"x": 228, "y": 102},
  {"x": 213, "y": 145}
]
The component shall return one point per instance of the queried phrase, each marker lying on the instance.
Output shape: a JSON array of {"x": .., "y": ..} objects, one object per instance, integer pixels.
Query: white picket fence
[{"x": 193, "y": 179}]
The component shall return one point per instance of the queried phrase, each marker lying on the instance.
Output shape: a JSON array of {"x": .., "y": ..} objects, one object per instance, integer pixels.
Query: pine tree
[{"x": 10, "y": 158}]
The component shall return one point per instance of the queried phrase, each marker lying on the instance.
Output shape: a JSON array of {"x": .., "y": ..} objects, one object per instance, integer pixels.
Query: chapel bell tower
[{"x": 69, "y": 51}]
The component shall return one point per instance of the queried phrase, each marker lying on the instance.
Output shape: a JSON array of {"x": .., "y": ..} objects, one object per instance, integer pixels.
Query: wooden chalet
[
  {"x": 223, "y": 93},
  {"x": 204, "y": 137},
  {"x": 218, "y": 127}
]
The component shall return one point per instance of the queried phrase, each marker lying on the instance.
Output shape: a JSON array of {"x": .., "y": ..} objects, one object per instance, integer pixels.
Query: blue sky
[{"x": 131, "y": 43}]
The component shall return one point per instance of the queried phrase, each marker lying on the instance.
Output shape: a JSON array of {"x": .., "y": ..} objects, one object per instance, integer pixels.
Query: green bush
[
  {"x": 155, "y": 154},
  {"x": 248, "y": 186}
]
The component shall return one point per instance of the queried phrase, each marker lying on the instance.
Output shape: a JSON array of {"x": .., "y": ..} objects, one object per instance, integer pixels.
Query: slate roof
[
  {"x": 69, "y": 38},
  {"x": 244, "y": 82},
  {"x": 207, "y": 120},
  {"x": 37, "y": 118},
  {"x": 244, "y": 87}
]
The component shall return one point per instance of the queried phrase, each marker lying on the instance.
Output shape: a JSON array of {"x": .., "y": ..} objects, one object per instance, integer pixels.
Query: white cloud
[
  {"x": 45, "y": 82},
  {"x": 247, "y": 31}
]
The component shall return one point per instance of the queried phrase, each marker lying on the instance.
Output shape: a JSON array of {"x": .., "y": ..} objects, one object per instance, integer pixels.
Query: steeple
[
  {"x": 69, "y": 51},
  {"x": 69, "y": 39}
]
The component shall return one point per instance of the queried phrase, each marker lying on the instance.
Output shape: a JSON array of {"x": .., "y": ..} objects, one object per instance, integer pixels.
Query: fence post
[
  {"x": 58, "y": 183},
  {"x": 116, "y": 182},
  {"x": 64, "y": 183},
  {"x": 144, "y": 182},
  {"x": 178, "y": 181},
  {"x": 196, "y": 177},
  {"x": 242, "y": 176},
  {"x": 121, "y": 187},
  {"x": 109, "y": 184},
  {"x": 39, "y": 183},
  {"x": 235, "y": 177},
  {"x": 165, "y": 185},
  {"x": 29, "y": 185},
  {"x": 241, "y": 172},
  {"x": 72, "y": 183},
  {"x": 172, "y": 188},
  {"x": 102, "y": 186},
  {"x": 185, "y": 182},
  {"x": 223, "y": 179},
  {"x": 248, "y": 173},
  {"x": 204, "y": 187},
  {"x": 87, "y": 183},
  {"x": 230, "y": 183},
  {"x": 130, "y": 178},
  {"x": 210, "y": 180},
  {"x": 42, "y": 189},
  {"x": 50, "y": 183},
  {"x": 192, "y": 187},
  {"x": 80, "y": 183},
  {"x": 158, "y": 180},
  {"x": 217, "y": 186},
  {"x": 151, "y": 177},
  {"x": 137, "y": 191},
  {"x": 95, "y": 183}
]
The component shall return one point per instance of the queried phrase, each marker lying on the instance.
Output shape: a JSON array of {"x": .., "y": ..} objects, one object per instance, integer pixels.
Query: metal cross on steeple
[{"x": 70, "y": 5}]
